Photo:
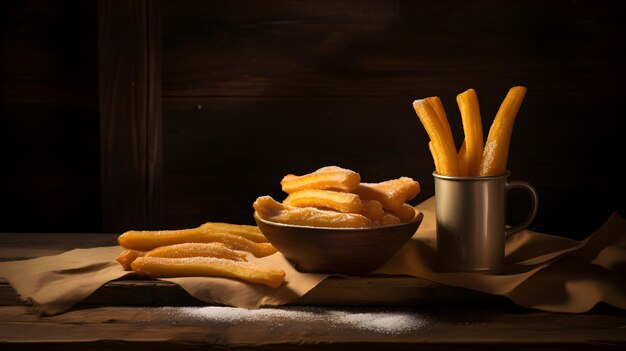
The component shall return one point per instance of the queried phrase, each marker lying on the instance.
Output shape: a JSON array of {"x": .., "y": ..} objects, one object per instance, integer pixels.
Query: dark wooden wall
[
  {"x": 255, "y": 90},
  {"x": 49, "y": 147},
  {"x": 252, "y": 90}
]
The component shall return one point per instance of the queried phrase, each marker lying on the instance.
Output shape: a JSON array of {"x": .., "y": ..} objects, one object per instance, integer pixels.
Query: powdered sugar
[
  {"x": 356, "y": 319},
  {"x": 382, "y": 322}
]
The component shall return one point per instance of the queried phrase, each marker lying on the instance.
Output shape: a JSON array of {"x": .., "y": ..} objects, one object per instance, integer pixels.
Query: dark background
[{"x": 253, "y": 90}]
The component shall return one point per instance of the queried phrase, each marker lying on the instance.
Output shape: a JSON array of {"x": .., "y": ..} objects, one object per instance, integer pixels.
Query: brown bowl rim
[{"x": 418, "y": 218}]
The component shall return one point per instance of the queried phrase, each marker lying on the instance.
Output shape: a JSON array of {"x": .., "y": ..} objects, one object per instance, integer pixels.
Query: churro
[
  {"x": 148, "y": 240},
  {"x": 334, "y": 200},
  {"x": 126, "y": 257},
  {"x": 330, "y": 177},
  {"x": 461, "y": 159},
  {"x": 443, "y": 147},
  {"x": 473, "y": 129},
  {"x": 249, "y": 232},
  {"x": 160, "y": 267},
  {"x": 437, "y": 105},
  {"x": 391, "y": 193},
  {"x": 387, "y": 219},
  {"x": 372, "y": 209},
  {"x": 269, "y": 209},
  {"x": 215, "y": 250},
  {"x": 405, "y": 213},
  {"x": 496, "y": 150}
]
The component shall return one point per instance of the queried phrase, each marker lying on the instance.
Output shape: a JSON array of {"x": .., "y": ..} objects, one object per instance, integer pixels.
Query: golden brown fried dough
[
  {"x": 473, "y": 129},
  {"x": 391, "y": 193},
  {"x": 372, "y": 209},
  {"x": 250, "y": 232},
  {"x": 330, "y": 177},
  {"x": 271, "y": 210},
  {"x": 443, "y": 145},
  {"x": 496, "y": 150},
  {"x": 148, "y": 240},
  {"x": 160, "y": 267},
  {"x": 126, "y": 257},
  {"x": 334, "y": 200},
  {"x": 387, "y": 219},
  {"x": 215, "y": 250},
  {"x": 405, "y": 212}
]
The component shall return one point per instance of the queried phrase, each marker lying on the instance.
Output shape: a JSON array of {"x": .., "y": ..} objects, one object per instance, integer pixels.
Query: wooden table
[{"x": 129, "y": 314}]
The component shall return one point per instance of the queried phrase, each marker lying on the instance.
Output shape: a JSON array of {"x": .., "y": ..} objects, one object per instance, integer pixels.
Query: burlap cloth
[{"x": 543, "y": 271}]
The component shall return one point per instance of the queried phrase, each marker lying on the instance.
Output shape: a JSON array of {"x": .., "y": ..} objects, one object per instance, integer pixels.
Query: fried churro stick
[
  {"x": 473, "y": 129},
  {"x": 250, "y": 232},
  {"x": 126, "y": 257},
  {"x": 391, "y": 193},
  {"x": 330, "y": 177},
  {"x": 435, "y": 102},
  {"x": 338, "y": 201},
  {"x": 148, "y": 240},
  {"x": 269, "y": 209},
  {"x": 372, "y": 209},
  {"x": 387, "y": 219},
  {"x": 160, "y": 267},
  {"x": 433, "y": 152},
  {"x": 443, "y": 145},
  {"x": 215, "y": 250},
  {"x": 462, "y": 159},
  {"x": 405, "y": 213},
  {"x": 496, "y": 150}
]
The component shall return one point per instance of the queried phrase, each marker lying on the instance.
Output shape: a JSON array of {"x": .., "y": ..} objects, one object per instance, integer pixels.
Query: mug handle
[{"x": 534, "y": 202}]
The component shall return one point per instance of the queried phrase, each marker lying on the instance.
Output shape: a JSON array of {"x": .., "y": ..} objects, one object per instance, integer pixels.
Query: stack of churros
[
  {"x": 211, "y": 250},
  {"x": 473, "y": 158},
  {"x": 335, "y": 197}
]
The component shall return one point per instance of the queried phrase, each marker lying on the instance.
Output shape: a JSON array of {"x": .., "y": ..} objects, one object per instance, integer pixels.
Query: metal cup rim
[{"x": 506, "y": 174}]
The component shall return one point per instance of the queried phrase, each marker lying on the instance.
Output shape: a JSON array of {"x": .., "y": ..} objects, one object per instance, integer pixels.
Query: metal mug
[{"x": 471, "y": 229}]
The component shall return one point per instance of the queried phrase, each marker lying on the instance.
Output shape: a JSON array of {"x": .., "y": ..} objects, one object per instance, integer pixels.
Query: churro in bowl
[{"x": 330, "y": 224}]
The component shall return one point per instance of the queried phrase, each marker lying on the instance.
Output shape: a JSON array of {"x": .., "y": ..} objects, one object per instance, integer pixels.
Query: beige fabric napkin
[
  {"x": 55, "y": 283},
  {"x": 546, "y": 272},
  {"x": 543, "y": 271}
]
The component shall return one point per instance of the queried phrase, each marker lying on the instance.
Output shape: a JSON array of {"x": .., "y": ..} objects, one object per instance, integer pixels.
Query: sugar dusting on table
[{"x": 364, "y": 319}]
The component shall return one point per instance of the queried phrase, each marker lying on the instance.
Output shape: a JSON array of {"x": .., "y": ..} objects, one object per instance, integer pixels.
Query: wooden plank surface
[
  {"x": 145, "y": 314},
  {"x": 130, "y": 113},
  {"x": 170, "y": 327},
  {"x": 355, "y": 291}
]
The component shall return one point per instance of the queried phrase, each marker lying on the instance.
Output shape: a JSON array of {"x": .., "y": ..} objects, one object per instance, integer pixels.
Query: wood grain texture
[
  {"x": 257, "y": 91},
  {"x": 155, "y": 116},
  {"x": 299, "y": 73},
  {"x": 169, "y": 328},
  {"x": 129, "y": 72},
  {"x": 390, "y": 48},
  {"x": 446, "y": 318},
  {"x": 373, "y": 291}
]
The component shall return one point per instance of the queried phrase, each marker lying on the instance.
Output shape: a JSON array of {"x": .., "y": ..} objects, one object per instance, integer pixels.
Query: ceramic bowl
[{"x": 338, "y": 250}]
